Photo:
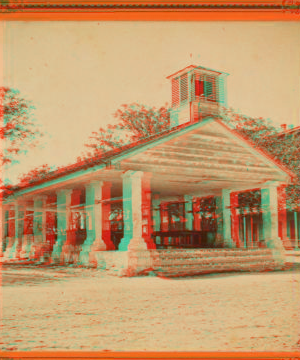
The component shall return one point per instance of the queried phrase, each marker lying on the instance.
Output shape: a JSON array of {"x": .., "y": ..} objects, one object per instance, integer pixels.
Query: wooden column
[
  {"x": 96, "y": 191},
  {"x": 136, "y": 248},
  {"x": 282, "y": 217},
  {"x": 224, "y": 219},
  {"x": 63, "y": 218},
  {"x": 269, "y": 202},
  {"x": 10, "y": 244},
  {"x": 188, "y": 207},
  {"x": 156, "y": 218},
  {"x": 28, "y": 228},
  {"x": 234, "y": 205}
]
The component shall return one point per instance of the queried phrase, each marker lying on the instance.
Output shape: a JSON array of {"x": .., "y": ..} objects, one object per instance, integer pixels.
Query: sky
[{"x": 77, "y": 74}]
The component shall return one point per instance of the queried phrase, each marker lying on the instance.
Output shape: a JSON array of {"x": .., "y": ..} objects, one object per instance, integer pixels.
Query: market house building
[{"x": 167, "y": 204}]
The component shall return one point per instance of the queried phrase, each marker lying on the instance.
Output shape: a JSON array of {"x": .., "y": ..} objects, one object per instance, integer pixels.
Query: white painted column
[
  {"x": 156, "y": 218},
  {"x": 11, "y": 236},
  {"x": 224, "y": 220},
  {"x": 296, "y": 230},
  {"x": 188, "y": 209},
  {"x": 156, "y": 214},
  {"x": 269, "y": 202},
  {"x": 94, "y": 241},
  {"x": 63, "y": 219},
  {"x": 25, "y": 238},
  {"x": 132, "y": 208},
  {"x": 3, "y": 228},
  {"x": 37, "y": 228},
  {"x": 15, "y": 247},
  {"x": 137, "y": 257},
  {"x": 19, "y": 229}
]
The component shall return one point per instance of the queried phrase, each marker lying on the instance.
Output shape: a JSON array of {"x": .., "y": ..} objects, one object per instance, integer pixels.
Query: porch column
[
  {"x": 282, "y": 217},
  {"x": 188, "y": 209},
  {"x": 3, "y": 229},
  {"x": 234, "y": 205},
  {"x": 296, "y": 230},
  {"x": 156, "y": 218},
  {"x": 19, "y": 229},
  {"x": 132, "y": 208},
  {"x": 224, "y": 219},
  {"x": 138, "y": 256},
  {"x": 69, "y": 254},
  {"x": 269, "y": 202},
  {"x": 10, "y": 233},
  {"x": 94, "y": 241},
  {"x": 12, "y": 244},
  {"x": 106, "y": 207},
  {"x": 63, "y": 222},
  {"x": 27, "y": 236},
  {"x": 39, "y": 228}
]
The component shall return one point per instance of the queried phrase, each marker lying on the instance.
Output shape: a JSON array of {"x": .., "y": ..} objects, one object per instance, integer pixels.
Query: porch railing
[{"x": 183, "y": 239}]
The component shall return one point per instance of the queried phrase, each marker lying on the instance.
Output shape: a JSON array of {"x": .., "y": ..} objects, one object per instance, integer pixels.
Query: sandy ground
[{"x": 59, "y": 308}]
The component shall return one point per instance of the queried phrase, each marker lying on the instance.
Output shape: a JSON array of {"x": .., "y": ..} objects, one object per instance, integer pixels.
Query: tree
[
  {"x": 264, "y": 135},
  {"x": 18, "y": 130},
  {"x": 39, "y": 173},
  {"x": 135, "y": 122}
]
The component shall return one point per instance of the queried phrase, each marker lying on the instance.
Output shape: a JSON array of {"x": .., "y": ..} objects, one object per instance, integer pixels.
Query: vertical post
[
  {"x": 245, "y": 229},
  {"x": 269, "y": 200},
  {"x": 188, "y": 207},
  {"x": 132, "y": 208},
  {"x": 282, "y": 217},
  {"x": 15, "y": 241},
  {"x": 136, "y": 255},
  {"x": 10, "y": 233},
  {"x": 234, "y": 205},
  {"x": 3, "y": 229},
  {"x": 106, "y": 208},
  {"x": 224, "y": 218},
  {"x": 156, "y": 218},
  {"x": 94, "y": 242},
  {"x": 251, "y": 231},
  {"x": 197, "y": 216},
  {"x": 63, "y": 217},
  {"x": 147, "y": 222},
  {"x": 296, "y": 230},
  {"x": 36, "y": 247},
  {"x": 26, "y": 245}
]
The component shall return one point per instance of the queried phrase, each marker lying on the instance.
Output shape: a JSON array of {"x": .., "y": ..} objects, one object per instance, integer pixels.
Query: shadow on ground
[{"x": 30, "y": 274}]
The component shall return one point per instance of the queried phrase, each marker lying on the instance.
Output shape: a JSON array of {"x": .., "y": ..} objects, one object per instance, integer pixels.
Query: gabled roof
[
  {"x": 289, "y": 131},
  {"x": 193, "y": 67},
  {"x": 127, "y": 151}
]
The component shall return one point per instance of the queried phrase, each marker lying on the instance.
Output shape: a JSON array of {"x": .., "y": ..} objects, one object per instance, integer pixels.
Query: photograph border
[{"x": 74, "y": 10}]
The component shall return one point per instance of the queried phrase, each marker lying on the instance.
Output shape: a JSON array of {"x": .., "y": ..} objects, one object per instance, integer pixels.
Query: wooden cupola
[{"x": 197, "y": 92}]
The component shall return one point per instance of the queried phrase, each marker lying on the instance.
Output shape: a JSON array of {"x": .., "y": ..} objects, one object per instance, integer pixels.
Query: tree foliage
[
  {"x": 285, "y": 148},
  {"x": 37, "y": 174},
  {"x": 18, "y": 129},
  {"x": 135, "y": 122}
]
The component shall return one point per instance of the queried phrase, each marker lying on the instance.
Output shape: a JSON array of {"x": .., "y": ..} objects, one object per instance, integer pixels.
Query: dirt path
[{"x": 85, "y": 309}]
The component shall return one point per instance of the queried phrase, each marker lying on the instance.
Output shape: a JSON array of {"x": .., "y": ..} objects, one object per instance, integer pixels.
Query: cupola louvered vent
[
  {"x": 175, "y": 92},
  {"x": 183, "y": 88}
]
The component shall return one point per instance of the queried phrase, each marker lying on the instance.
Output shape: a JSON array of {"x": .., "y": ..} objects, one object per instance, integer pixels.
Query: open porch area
[{"x": 172, "y": 202}]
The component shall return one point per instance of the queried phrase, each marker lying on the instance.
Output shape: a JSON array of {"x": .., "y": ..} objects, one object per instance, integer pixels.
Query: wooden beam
[
  {"x": 196, "y": 144},
  {"x": 214, "y": 158},
  {"x": 153, "y": 160},
  {"x": 205, "y": 151},
  {"x": 208, "y": 174},
  {"x": 209, "y": 139}
]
